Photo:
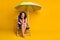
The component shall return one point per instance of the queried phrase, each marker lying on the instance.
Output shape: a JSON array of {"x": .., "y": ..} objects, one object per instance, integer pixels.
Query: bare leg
[{"x": 23, "y": 29}]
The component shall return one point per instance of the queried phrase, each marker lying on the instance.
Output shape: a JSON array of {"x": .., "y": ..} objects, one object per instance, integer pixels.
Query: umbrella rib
[
  {"x": 33, "y": 8},
  {"x": 26, "y": 8}
]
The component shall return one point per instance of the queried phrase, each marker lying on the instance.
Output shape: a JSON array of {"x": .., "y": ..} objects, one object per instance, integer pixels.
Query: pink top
[{"x": 24, "y": 20}]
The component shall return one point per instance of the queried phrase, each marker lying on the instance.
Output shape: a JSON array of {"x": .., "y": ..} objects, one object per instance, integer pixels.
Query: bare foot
[{"x": 23, "y": 36}]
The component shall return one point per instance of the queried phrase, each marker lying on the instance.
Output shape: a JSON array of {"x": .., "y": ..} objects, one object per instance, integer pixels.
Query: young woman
[{"x": 22, "y": 22}]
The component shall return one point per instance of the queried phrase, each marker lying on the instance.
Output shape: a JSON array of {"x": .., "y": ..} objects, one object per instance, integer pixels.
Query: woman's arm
[{"x": 22, "y": 21}]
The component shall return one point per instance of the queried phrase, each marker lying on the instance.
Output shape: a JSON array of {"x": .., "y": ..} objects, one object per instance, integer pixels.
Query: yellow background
[{"x": 44, "y": 24}]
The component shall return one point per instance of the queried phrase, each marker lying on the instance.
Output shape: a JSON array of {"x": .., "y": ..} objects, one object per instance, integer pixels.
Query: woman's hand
[{"x": 22, "y": 21}]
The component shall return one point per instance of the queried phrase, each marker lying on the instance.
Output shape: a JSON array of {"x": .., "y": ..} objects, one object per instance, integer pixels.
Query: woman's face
[{"x": 23, "y": 15}]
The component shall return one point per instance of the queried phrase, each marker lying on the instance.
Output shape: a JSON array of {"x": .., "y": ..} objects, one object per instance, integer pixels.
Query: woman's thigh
[{"x": 23, "y": 25}]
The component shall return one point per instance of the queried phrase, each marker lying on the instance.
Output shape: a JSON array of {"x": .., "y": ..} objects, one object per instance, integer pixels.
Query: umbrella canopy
[{"x": 28, "y": 7}]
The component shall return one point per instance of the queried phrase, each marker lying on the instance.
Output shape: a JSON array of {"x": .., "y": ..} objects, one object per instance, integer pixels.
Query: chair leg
[
  {"x": 17, "y": 33},
  {"x": 28, "y": 32}
]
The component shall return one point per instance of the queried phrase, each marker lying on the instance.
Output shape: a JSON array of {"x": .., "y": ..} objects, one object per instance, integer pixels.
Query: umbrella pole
[
  {"x": 28, "y": 22},
  {"x": 28, "y": 16}
]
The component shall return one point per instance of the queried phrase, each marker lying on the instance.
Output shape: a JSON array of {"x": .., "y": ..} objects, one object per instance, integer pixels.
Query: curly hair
[{"x": 21, "y": 14}]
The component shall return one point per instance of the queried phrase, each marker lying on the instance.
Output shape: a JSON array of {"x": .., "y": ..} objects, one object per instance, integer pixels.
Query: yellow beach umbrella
[{"x": 28, "y": 7}]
